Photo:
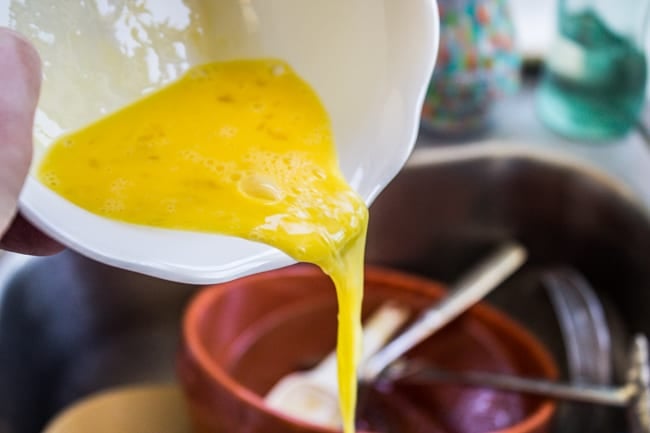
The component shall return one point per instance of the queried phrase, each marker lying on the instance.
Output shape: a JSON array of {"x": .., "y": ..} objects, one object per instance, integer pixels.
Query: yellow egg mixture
[{"x": 242, "y": 148}]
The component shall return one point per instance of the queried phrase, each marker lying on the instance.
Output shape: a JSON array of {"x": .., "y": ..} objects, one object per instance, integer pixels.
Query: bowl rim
[{"x": 203, "y": 301}]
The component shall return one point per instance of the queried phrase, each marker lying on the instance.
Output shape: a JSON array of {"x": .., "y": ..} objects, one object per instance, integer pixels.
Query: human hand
[{"x": 20, "y": 82}]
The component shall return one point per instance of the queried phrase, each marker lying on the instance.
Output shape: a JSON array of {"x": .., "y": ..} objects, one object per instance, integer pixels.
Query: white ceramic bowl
[{"x": 369, "y": 60}]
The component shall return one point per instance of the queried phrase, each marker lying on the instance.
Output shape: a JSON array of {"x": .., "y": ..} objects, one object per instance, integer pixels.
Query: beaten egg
[{"x": 242, "y": 148}]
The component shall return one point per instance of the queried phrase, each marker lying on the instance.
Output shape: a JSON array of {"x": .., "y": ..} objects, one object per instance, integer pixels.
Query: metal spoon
[{"x": 633, "y": 395}]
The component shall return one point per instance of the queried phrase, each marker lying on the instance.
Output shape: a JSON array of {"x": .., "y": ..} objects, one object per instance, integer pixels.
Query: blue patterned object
[{"x": 477, "y": 61}]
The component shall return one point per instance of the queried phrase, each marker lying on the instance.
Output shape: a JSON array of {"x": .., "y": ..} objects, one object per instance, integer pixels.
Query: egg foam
[{"x": 242, "y": 148}]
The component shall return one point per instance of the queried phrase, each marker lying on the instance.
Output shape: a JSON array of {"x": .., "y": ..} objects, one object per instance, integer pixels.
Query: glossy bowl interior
[
  {"x": 240, "y": 337},
  {"x": 370, "y": 61}
]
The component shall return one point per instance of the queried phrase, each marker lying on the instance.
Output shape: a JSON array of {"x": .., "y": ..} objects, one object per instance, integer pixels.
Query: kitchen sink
[{"x": 70, "y": 326}]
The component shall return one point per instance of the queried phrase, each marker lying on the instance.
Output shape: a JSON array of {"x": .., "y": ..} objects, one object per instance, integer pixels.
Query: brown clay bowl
[{"x": 240, "y": 337}]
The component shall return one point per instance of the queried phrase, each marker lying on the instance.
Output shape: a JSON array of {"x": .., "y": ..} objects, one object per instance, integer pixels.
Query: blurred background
[
  {"x": 565, "y": 76},
  {"x": 534, "y": 129}
]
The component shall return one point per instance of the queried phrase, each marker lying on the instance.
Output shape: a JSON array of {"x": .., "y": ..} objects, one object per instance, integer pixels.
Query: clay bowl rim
[{"x": 202, "y": 302}]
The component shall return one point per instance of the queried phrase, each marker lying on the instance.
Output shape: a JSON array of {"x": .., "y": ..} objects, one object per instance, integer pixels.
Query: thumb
[{"x": 20, "y": 80}]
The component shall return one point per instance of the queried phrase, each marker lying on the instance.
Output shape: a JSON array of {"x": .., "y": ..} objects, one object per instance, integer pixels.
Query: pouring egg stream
[{"x": 242, "y": 148}]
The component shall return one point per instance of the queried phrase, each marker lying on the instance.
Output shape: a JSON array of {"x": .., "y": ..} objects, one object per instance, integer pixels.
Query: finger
[
  {"x": 20, "y": 78},
  {"x": 22, "y": 237}
]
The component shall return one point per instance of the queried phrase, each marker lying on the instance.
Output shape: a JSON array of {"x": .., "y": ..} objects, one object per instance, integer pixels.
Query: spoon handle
[
  {"x": 468, "y": 291},
  {"x": 610, "y": 396}
]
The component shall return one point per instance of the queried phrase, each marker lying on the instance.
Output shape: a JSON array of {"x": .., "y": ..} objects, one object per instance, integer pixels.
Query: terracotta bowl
[{"x": 240, "y": 337}]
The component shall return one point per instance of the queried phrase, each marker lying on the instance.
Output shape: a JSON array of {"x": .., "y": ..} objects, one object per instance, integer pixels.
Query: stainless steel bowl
[{"x": 70, "y": 326}]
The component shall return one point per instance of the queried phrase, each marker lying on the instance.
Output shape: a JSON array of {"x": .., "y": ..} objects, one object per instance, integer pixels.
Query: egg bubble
[
  {"x": 51, "y": 179},
  {"x": 215, "y": 166},
  {"x": 318, "y": 173},
  {"x": 261, "y": 187},
  {"x": 118, "y": 185},
  {"x": 192, "y": 156},
  {"x": 113, "y": 205},
  {"x": 278, "y": 70},
  {"x": 228, "y": 131},
  {"x": 169, "y": 205}
]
